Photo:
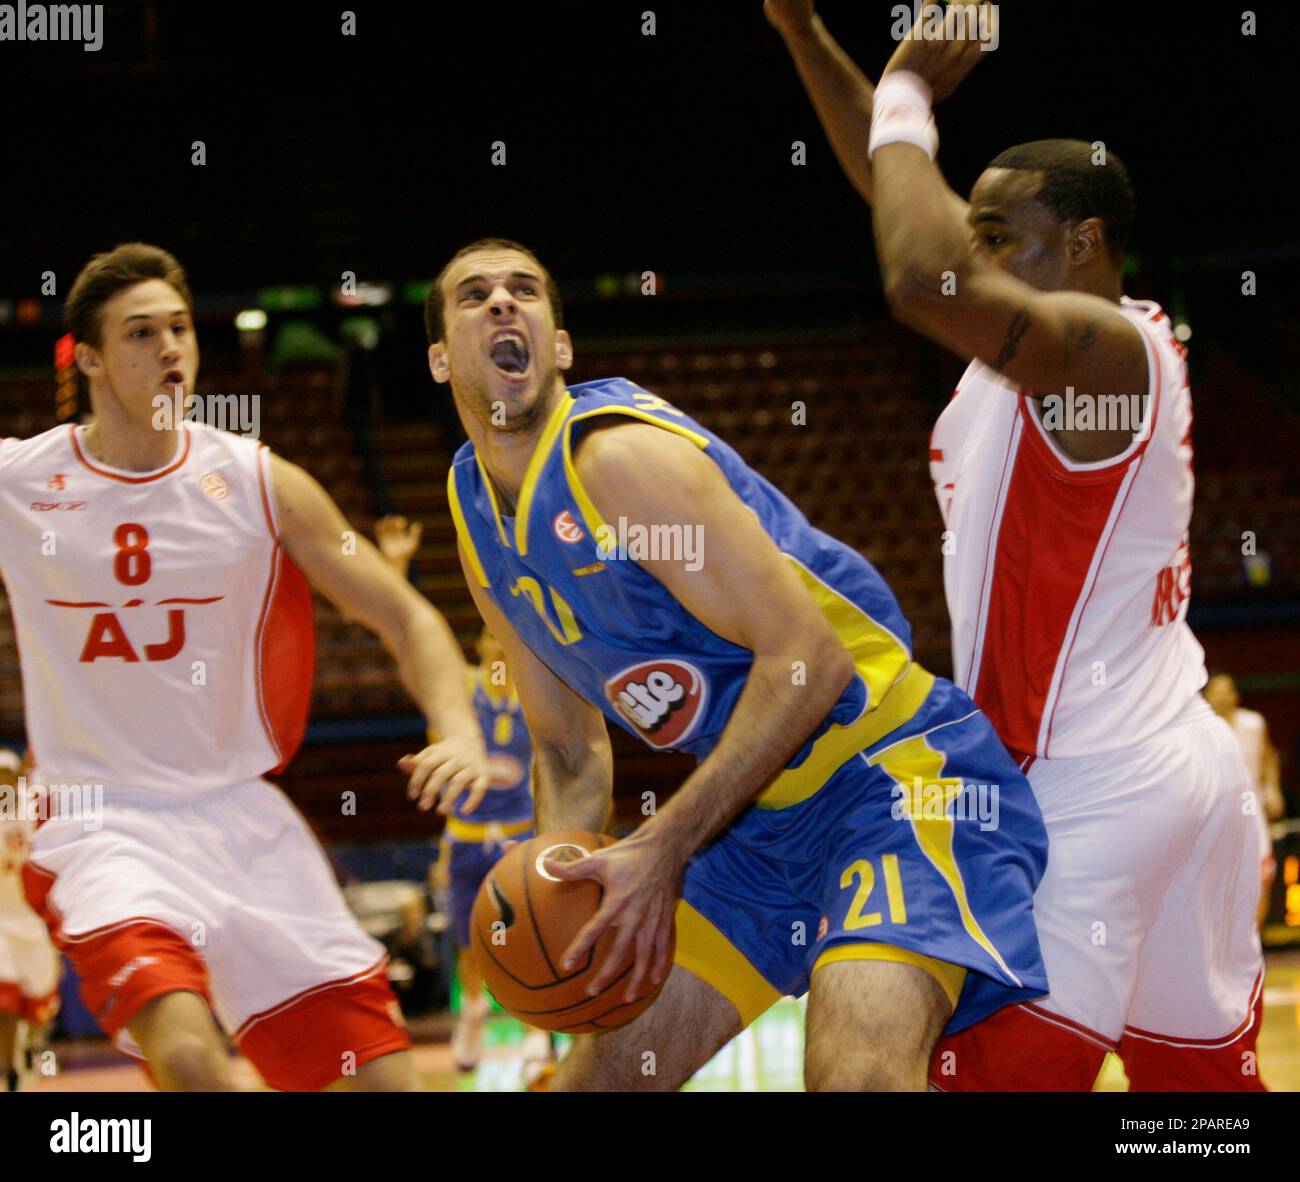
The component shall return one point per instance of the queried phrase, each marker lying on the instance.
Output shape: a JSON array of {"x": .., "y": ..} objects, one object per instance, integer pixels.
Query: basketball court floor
[{"x": 768, "y": 1057}]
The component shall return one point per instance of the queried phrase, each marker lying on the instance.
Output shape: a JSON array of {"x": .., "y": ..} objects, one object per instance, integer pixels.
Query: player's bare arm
[
  {"x": 840, "y": 92},
  {"x": 367, "y": 589},
  {"x": 573, "y": 764},
  {"x": 939, "y": 281},
  {"x": 746, "y": 592}
]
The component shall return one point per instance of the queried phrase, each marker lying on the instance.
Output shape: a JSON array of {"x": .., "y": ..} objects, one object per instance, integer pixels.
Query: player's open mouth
[
  {"x": 173, "y": 377},
  {"x": 509, "y": 353}
]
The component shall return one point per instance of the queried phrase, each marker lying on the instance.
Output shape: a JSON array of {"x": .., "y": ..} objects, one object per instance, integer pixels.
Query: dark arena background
[{"x": 676, "y": 182}]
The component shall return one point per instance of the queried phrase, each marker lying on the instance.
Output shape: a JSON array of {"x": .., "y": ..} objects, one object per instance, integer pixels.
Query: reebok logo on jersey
[
  {"x": 51, "y": 506},
  {"x": 566, "y": 529},
  {"x": 663, "y": 699},
  {"x": 55, "y": 482}
]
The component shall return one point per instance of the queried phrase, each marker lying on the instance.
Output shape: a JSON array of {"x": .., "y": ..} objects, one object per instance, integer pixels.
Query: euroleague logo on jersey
[
  {"x": 566, "y": 529},
  {"x": 663, "y": 699},
  {"x": 214, "y": 485}
]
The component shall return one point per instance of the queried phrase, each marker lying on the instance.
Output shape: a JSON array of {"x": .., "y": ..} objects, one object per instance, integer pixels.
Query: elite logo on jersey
[
  {"x": 662, "y": 698},
  {"x": 566, "y": 529},
  {"x": 504, "y": 770},
  {"x": 214, "y": 485}
]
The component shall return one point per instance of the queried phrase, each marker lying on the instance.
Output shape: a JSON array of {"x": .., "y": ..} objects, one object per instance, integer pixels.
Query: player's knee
[
  {"x": 191, "y": 1063},
  {"x": 830, "y": 1069},
  {"x": 389, "y": 1073}
]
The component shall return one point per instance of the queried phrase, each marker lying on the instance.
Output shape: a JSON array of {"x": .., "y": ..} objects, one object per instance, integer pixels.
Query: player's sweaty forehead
[
  {"x": 1009, "y": 195},
  {"x": 490, "y": 268}
]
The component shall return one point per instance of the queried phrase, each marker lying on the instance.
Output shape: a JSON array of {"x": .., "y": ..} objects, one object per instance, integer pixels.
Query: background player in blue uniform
[
  {"x": 473, "y": 842},
  {"x": 781, "y": 659}
]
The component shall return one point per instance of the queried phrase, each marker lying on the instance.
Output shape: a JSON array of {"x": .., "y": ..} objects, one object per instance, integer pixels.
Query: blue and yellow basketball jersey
[
  {"x": 510, "y": 755},
  {"x": 619, "y": 639}
]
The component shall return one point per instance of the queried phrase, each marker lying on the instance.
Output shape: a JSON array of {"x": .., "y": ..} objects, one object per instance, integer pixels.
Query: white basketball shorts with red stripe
[
  {"x": 229, "y": 895},
  {"x": 1146, "y": 918}
]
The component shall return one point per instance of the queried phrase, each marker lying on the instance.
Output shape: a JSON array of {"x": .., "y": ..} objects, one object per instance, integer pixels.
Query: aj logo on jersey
[
  {"x": 663, "y": 699},
  {"x": 132, "y": 566}
]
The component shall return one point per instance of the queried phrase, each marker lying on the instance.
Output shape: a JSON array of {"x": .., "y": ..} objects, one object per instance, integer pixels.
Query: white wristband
[{"x": 900, "y": 114}]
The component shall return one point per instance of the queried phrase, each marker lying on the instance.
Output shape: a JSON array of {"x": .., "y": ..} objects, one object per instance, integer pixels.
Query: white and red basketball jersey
[
  {"x": 164, "y": 636},
  {"x": 1068, "y": 583}
]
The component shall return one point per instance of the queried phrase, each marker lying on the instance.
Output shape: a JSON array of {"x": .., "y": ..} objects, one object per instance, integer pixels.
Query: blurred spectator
[{"x": 1262, "y": 763}]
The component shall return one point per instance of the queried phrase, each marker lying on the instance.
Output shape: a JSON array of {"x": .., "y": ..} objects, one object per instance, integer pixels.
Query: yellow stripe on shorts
[
  {"x": 951, "y": 977},
  {"x": 907, "y": 762},
  {"x": 478, "y": 831},
  {"x": 706, "y": 952}
]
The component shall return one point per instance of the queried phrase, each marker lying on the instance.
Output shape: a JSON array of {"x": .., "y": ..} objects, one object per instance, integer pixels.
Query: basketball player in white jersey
[
  {"x": 165, "y": 632},
  {"x": 29, "y": 966},
  {"x": 1261, "y": 759},
  {"x": 1067, "y": 571}
]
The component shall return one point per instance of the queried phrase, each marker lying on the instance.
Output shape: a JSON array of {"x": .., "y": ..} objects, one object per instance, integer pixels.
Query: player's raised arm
[
  {"x": 840, "y": 92},
  {"x": 940, "y": 273},
  {"x": 573, "y": 765},
  {"x": 367, "y": 589},
  {"x": 747, "y": 593}
]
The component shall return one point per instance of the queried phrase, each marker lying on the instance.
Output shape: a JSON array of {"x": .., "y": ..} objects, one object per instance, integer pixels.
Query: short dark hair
[
  {"x": 111, "y": 272},
  {"x": 1075, "y": 188},
  {"x": 434, "y": 325}
]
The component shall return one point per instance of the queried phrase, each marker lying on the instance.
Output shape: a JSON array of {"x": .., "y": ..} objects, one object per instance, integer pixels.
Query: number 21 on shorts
[{"x": 860, "y": 876}]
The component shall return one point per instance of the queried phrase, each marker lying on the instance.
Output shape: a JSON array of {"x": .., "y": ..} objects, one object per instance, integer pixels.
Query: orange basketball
[{"x": 524, "y": 919}]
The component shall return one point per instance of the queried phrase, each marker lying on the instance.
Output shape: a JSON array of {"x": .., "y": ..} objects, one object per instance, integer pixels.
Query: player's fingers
[
  {"x": 627, "y": 925},
  {"x": 589, "y": 933},
  {"x": 435, "y": 790},
  {"x": 429, "y": 777},
  {"x": 569, "y": 870},
  {"x": 478, "y": 789},
  {"x": 664, "y": 943},
  {"x": 455, "y": 785},
  {"x": 417, "y": 771},
  {"x": 646, "y": 932}
]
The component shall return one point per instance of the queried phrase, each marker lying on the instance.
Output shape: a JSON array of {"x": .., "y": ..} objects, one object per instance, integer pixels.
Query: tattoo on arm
[
  {"x": 1080, "y": 336},
  {"x": 1016, "y": 330}
]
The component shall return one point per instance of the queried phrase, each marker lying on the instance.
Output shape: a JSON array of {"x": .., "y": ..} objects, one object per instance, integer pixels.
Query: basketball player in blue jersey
[
  {"x": 832, "y": 839},
  {"x": 473, "y": 841}
]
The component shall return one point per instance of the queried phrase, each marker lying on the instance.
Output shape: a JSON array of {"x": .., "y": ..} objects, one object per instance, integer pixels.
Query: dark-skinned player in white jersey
[{"x": 1062, "y": 466}]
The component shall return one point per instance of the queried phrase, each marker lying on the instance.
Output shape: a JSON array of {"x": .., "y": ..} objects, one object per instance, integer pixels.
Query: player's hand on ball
[
  {"x": 641, "y": 878},
  {"x": 944, "y": 62},
  {"x": 787, "y": 15},
  {"x": 445, "y": 771}
]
